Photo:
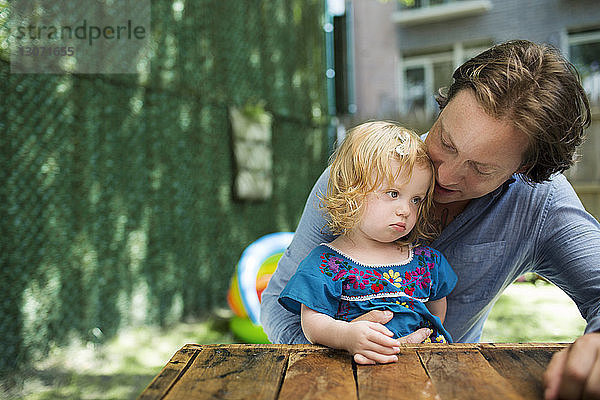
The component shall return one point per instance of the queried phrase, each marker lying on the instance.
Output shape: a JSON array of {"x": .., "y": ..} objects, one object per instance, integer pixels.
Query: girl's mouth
[{"x": 399, "y": 227}]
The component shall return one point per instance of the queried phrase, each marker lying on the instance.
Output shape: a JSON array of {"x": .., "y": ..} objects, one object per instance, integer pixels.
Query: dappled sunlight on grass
[
  {"x": 56, "y": 383},
  {"x": 529, "y": 312},
  {"x": 119, "y": 369}
]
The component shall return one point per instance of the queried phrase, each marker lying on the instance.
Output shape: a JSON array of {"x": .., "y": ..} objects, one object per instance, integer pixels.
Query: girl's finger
[
  {"x": 385, "y": 350},
  {"x": 383, "y": 344},
  {"x": 360, "y": 359},
  {"x": 382, "y": 329},
  {"x": 374, "y": 357}
]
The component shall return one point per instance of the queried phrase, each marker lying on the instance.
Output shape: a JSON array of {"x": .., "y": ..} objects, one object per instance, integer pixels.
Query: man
[{"x": 509, "y": 124}]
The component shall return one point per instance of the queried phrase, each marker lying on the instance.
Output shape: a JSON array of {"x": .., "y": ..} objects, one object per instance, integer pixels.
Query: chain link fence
[{"x": 117, "y": 203}]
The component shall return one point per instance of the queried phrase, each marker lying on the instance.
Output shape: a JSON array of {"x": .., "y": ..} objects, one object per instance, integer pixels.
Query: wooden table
[{"x": 424, "y": 371}]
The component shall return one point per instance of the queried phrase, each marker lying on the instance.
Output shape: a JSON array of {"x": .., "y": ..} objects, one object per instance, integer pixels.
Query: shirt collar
[{"x": 504, "y": 187}]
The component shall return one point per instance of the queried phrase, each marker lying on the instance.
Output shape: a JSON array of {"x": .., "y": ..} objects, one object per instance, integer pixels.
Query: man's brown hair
[{"x": 538, "y": 91}]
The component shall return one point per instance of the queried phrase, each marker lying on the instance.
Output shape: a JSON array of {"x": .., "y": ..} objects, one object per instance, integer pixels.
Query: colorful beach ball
[{"x": 255, "y": 267}]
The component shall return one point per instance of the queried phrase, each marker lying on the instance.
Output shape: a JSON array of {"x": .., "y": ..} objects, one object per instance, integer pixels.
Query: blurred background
[{"x": 128, "y": 199}]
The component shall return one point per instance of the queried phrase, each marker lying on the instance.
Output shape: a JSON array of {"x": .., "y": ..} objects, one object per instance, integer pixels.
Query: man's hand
[
  {"x": 574, "y": 373},
  {"x": 380, "y": 316},
  {"x": 383, "y": 317}
]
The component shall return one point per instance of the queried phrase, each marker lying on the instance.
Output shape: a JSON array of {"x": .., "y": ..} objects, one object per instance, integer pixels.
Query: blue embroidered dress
[{"x": 332, "y": 283}]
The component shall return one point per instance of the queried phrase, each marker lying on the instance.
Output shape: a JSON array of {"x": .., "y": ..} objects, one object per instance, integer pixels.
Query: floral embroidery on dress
[
  {"x": 420, "y": 277},
  {"x": 408, "y": 304},
  {"x": 436, "y": 339},
  {"x": 425, "y": 251},
  {"x": 435, "y": 336},
  {"x": 337, "y": 268},
  {"x": 393, "y": 277}
]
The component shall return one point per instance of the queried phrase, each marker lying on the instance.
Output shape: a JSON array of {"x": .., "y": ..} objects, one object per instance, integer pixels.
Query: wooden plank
[
  {"x": 523, "y": 368},
  {"x": 269, "y": 346},
  {"x": 325, "y": 374},
  {"x": 464, "y": 375},
  {"x": 531, "y": 346},
  {"x": 163, "y": 382},
  {"x": 405, "y": 379},
  {"x": 541, "y": 352},
  {"x": 229, "y": 372},
  {"x": 439, "y": 346}
]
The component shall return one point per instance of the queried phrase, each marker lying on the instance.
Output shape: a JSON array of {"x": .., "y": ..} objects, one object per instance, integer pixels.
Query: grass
[
  {"x": 119, "y": 369},
  {"x": 528, "y": 312},
  {"x": 123, "y": 367}
]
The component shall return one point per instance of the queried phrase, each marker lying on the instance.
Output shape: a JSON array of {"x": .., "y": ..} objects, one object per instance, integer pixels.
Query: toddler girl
[{"x": 378, "y": 201}]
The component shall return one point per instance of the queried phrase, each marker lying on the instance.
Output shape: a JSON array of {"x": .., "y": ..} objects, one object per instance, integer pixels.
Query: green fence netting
[{"x": 116, "y": 196}]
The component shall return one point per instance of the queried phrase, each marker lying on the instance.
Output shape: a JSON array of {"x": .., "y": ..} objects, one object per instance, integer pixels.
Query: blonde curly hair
[{"x": 362, "y": 163}]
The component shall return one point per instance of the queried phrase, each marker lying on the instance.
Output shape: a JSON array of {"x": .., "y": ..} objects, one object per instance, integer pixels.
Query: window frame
[
  {"x": 582, "y": 38},
  {"x": 457, "y": 55}
]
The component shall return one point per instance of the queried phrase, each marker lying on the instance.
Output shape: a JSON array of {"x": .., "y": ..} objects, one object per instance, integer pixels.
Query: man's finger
[
  {"x": 553, "y": 374},
  {"x": 417, "y": 336},
  {"x": 380, "y": 316},
  {"x": 578, "y": 366},
  {"x": 592, "y": 386}
]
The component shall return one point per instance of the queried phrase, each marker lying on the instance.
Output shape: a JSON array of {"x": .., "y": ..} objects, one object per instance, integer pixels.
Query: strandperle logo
[
  {"x": 79, "y": 36},
  {"x": 84, "y": 32}
]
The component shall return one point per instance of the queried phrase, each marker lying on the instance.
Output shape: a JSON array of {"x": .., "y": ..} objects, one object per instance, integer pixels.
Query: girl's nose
[{"x": 403, "y": 209}]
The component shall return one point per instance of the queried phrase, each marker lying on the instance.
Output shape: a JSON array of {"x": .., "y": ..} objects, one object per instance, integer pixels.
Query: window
[
  {"x": 422, "y": 80},
  {"x": 414, "y": 90},
  {"x": 422, "y": 76},
  {"x": 584, "y": 53}
]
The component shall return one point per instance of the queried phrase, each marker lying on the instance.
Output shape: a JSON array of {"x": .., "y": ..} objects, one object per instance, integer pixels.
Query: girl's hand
[
  {"x": 371, "y": 342},
  {"x": 368, "y": 341},
  {"x": 383, "y": 317}
]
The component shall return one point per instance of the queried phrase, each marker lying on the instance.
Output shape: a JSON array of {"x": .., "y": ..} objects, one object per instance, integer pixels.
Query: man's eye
[
  {"x": 482, "y": 172},
  {"x": 445, "y": 144}
]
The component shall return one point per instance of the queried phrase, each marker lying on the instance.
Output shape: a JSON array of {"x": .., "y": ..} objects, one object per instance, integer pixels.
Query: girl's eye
[
  {"x": 393, "y": 194},
  {"x": 416, "y": 200}
]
